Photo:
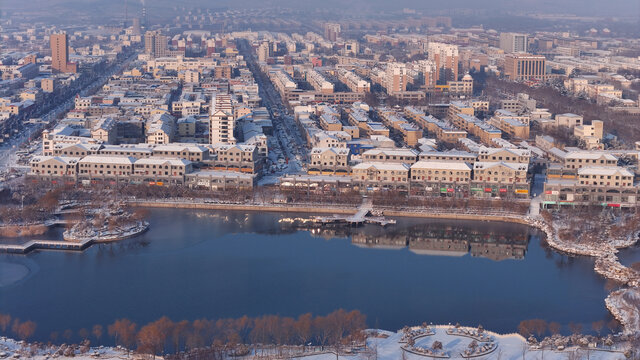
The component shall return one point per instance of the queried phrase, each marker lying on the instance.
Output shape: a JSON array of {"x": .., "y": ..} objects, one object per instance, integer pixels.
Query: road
[
  {"x": 287, "y": 144},
  {"x": 9, "y": 149}
]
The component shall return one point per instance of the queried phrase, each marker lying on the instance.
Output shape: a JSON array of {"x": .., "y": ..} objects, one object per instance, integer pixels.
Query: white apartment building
[{"x": 221, "y": 120}]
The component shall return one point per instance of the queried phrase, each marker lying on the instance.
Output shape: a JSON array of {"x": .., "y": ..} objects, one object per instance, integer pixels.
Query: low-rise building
[
  {"x": 568, "y": 120},
  {"x": 439, "y": 177},
  {"x": 163, "y": 171},
  {"x": 329, "y": 161},
  {"x": 378, "y": 175},
  {"x": 449, "y": 156},
  {"x": 105, "y": 130},
  {"x": 220, "y": 180},
  {"x": 580, "y": 159},
  {"x": 105, "y": 167},
  {"x": 500, "y": 179},
  {"x": 53, "y": 166},
  {"x": 489, "y": 154},
  {"x": 239, "y": 158},
  {"x": 400, "y": 156},
  {"x": 609, "y": 186}
]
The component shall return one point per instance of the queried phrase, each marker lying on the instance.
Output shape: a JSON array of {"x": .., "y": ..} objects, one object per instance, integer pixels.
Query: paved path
[{"x": 537, "y": 191}]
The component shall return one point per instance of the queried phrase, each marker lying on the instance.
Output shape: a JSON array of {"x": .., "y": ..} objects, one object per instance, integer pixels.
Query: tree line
[
  {"x": 540, "y": 327},
  {"x": 164, "y": 335}
]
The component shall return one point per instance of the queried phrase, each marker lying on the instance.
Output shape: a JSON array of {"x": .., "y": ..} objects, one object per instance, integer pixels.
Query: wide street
[{"x": 11, "y": 148}]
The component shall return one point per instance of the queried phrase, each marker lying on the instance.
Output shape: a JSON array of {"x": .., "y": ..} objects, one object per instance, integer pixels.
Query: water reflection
[
  {"x": 426, "y": 239},
  {"x": 216, "y": 264}
]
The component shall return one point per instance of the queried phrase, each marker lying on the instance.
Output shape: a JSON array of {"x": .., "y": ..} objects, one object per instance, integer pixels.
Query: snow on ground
[
  {"x": 510, "y": 347},
  {"x": 12, "y": 349},
  {"x": 622, "y": 304}
]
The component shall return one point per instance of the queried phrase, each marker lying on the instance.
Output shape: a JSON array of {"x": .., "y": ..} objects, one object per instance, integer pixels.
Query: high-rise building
[
  {"x": 221, "y": 120},
  {"x": 428, "y": 70},
  {"x": 445, "y": 56},
  {"x": 60, "y": 54},
  {"x": 156, "y": 44},
  {"x": 524, "y": 66},
  {"x": 332, "y": 31},
  {"x": 396, "y": 78},
  {"x": 513, "y": 42},
  {"x": 136, "y": 28},
  {"x": 161, "y": 47},
  {"x": 149, "y": 42},
  {"x": 263, "y": 51}
]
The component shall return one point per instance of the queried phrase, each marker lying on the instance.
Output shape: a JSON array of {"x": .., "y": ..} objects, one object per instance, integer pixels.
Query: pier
[
  {"x": 71, "y": 245},
  {"x": 45, "y": 245},
  {"x": 359, "y": 218}
]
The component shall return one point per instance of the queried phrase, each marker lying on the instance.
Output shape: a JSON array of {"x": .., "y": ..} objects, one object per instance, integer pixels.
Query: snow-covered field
[
  {"x": 385, "y": 345},
  {"x": 12, "y": 349},
  {"x": 510, "y": 347}
]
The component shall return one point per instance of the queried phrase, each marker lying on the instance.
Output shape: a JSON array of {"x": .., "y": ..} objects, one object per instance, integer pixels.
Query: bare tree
[
  {"x": 97, "y": 331},
  {"x": 525, "y": 328},
  {"x": 150, "y": 339},
  {"x": 26, "y": 330},
  {"x": 83, "y": 333},
  {"x": 303, "y": 328},
  {"x": 124, "y": 332},
  {"x": 5, "y": 321},
  {"x": 67, "y": 334},
  {"x": 321, "y": 329},
  {"x": 178, "y": 334},
  {"x": 613, "y": 325},
  {"x": 597, "y": 326},
  {"x": 554, "y": 328},
  {"x": 165, "y": 328},
  {"x": 575, "y": 328}
]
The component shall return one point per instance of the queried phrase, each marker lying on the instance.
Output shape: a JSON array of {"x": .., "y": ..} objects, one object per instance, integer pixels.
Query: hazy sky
[{"x": 626, "y": 8}]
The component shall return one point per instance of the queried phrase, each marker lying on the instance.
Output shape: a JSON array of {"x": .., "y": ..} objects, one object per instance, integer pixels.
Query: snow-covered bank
[
  {"x": 623, "y": 306},
  {"x": 620, "y": 303},
  {"x": 606, "y": 264},
  {"x": 78, "y": 234},
  {"x": 388, "y": 346},
  {"x": 14, "y": 349},
  {"x": 381, "y": 345}
]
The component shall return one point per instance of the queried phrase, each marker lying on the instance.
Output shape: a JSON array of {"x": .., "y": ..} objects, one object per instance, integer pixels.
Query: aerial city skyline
[{"x": 288, "y": 180}]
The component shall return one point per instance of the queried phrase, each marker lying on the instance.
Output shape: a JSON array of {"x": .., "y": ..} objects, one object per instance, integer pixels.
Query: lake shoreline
[
  {"x": 606, "y": 265},
  {"x": 487, "y": 217},
  {"x": 323, "y": 209}
]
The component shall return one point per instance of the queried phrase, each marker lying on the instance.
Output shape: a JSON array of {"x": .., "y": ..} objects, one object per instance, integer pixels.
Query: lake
[{"x": 193, "y": 264}]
